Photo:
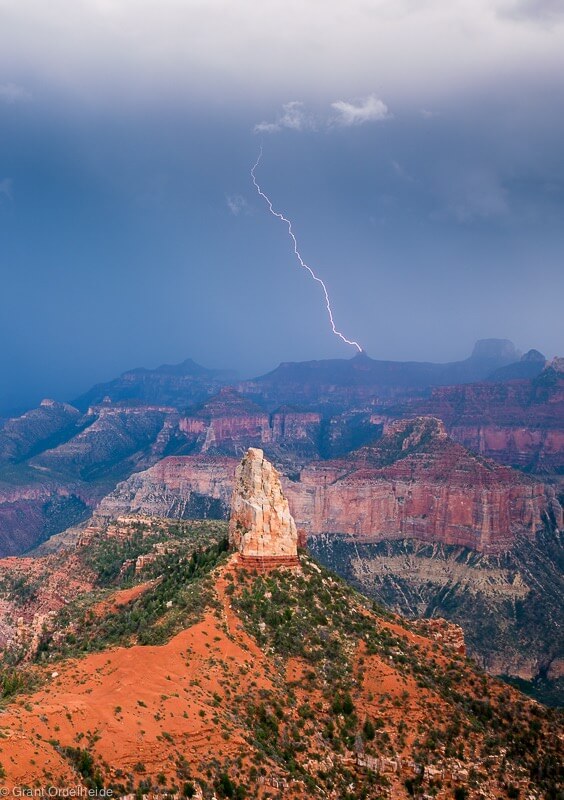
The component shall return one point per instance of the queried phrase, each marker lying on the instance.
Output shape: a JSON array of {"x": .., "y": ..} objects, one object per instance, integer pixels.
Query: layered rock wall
[
  {"x": 437, "y": 493},
  {"x": 229, "y": 424},
  {"x": 519, "y": 423},
  {"x": 375, "y": 506},
  {"x": 178, "y": 486}
]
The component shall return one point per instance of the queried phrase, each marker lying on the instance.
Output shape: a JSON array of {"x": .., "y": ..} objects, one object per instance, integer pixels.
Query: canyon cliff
[
  {"x": 509, "y": 604},
  {"x": 481, "y": 539},
  {"x": 415, "y": 482},
  {"x": 56, "y": 464},
  {"x": 58, "y": 461},
  {"x": 519, "y": 422},
  {"x": 228, "y": 423}
]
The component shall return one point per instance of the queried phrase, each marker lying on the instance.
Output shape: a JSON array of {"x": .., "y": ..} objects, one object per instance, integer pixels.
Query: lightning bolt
[{"x": 300, "y": 259}]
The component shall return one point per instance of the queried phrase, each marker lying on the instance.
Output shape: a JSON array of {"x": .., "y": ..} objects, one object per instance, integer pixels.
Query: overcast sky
[{"x": 415, "y": 144}]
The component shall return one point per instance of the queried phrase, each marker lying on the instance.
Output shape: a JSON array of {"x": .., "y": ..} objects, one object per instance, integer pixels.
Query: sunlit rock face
[{"x": 261, "y": 528}]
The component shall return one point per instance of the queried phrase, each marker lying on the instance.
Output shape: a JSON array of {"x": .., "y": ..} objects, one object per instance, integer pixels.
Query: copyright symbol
[{"x": 4, "y": 791}]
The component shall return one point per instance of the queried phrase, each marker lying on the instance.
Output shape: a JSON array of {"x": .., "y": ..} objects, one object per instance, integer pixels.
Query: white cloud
[
  {"x": 293, "y": 117},
  {"x": 236, "y": 204},
  {"x": 6, "y": 185},
  {"x": 402, "y": 172},
  {"x": 369, "y": 109},
  {"x": 12, "y": 93}
]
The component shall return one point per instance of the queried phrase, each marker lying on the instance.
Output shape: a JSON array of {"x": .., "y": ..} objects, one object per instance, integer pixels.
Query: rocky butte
[{"x": 261, "y": 529}]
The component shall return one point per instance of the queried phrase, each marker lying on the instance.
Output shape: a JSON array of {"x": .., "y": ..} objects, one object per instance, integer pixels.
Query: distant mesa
[
  {"x": 497, "y": 349},
  {"x": 335, "y": 382},
  {"x": 261, "y": 529}
]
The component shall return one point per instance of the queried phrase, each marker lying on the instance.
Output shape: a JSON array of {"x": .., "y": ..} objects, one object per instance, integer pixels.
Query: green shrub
[{"x": 369, "y": 730}]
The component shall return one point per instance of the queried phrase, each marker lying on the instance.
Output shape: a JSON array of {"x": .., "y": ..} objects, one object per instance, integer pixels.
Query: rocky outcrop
[
  {"x": 38, "y": 429},
  {"x": 261, "y": 528},
  {"x": 447, "y": 633},
  {"x": 185, "y": 487}
]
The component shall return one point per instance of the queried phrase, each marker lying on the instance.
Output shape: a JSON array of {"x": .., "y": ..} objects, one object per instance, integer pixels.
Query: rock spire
[{"x": 261, "y": 529}]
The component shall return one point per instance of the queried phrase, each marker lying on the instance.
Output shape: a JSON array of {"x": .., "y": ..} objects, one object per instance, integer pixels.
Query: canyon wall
[
  {"x": 56, "y": 452},
  {"x": 228, "y": 423},
  {"x": 519, "y": 423},
  {"x": 178, "y": 486},
  {"x": 414, "y": 483}
]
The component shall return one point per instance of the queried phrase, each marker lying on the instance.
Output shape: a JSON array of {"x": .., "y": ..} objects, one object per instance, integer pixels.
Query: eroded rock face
[
  {"x": 477, "y": 591},
  {"x": 261, "y": 526},
  {"x": 186, "y": 487},
  {"x": 415, "y": 483},
  {"x": 228, "y": 424},
  {"x": 519, "y": 423}
]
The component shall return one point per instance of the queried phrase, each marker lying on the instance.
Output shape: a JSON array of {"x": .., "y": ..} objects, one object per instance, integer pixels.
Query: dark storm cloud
[{"x": 417, "y": 150}]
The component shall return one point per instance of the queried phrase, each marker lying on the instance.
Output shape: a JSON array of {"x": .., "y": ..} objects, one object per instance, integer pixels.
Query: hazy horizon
[{"x": 32, "y": 399}]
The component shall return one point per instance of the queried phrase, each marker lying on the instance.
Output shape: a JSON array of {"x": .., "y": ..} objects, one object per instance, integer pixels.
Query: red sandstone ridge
[
  {"x": 296, "y": 665},
  {"x": 261, "y": 529}
]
